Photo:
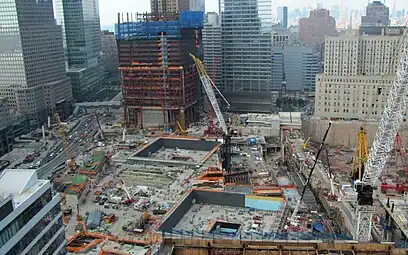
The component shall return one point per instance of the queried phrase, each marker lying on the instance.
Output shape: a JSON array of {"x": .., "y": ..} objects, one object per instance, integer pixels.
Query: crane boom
[
  {"x": 208, "y": 84},
  {"x": 300, "y": 200},
  {"x": 383, "y": 143}
]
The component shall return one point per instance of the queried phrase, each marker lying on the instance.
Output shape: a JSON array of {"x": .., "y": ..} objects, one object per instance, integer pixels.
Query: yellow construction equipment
[
  {"x": 306, "y": 144},
  {"x": 181, "y": 129},
  {"x": 61, "y": 129},
  {"x": 360, "y": 156}
]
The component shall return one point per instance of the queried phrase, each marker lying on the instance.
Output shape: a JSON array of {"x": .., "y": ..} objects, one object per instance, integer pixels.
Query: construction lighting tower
[
  {"x": 360, "y": 156},
  {"x": 383, "y": 144},
  {"x": 208, "y": 85}
]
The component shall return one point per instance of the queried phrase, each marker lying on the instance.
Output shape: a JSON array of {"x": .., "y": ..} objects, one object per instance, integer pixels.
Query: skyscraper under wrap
[
  {"x": 83, "y": 44},
  {"x": 32, "y": 70},
  {"x": 246, "y": 27}
]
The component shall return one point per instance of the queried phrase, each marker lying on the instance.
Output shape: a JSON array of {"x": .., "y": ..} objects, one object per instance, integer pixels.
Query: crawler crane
[
  {"x": 383, "y": 144},
  {"x": 293, "y": 219},
  {"x": 208, "y": 85}
]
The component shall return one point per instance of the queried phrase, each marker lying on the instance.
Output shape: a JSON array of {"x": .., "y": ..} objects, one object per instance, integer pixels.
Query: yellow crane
[
  {"x": 306, "y": 144},
  {"x": 181, "y": 129},
  {"x": 61, "y": 130},
  {"x": 360, "y": 156}
]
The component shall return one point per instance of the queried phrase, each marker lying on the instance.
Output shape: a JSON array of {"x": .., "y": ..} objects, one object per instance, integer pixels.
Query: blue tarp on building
[
  {"x": 94, "y": 220},
  {"x": 318, "y": 226},
  {"x": 152, "y": 29}
]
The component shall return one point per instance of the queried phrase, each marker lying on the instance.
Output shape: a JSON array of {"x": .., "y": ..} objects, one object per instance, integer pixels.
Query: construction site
[{"x": 174, "y": 171}]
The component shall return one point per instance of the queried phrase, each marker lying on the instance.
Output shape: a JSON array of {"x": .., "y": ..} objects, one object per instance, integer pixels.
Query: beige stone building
[{"x": 358, "y": 73}]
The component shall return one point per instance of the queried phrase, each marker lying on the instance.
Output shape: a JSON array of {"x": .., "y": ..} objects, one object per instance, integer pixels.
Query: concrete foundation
[
  {"x": 343, "y": 133},
  {"x": 175, "y": 152}
]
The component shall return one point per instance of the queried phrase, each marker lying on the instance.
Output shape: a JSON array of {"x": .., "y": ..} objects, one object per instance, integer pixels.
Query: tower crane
[
  {"x": 208, "y": 85},
  {"x": 383, "y": 142},
  {"x": 61, "y": 130}
]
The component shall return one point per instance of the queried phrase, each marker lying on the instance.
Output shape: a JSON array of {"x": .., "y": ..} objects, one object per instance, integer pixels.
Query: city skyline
[{"x": 110, "y": 8}]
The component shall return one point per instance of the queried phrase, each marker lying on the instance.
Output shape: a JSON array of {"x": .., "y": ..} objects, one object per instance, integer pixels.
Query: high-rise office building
[
  {"x": 30, "y": 215},
  {"x": 336, "y": 12},
  {"x": 283, "y": 16},
  {"x": 377, "y": 14},
  {"x": 110, "y": 58},
  {"x": 246, "y": 27},
  {"x": 163, "y": 6},
  {"x": 358, "y": 74},
  {"x": 314, "y": 29},
  {"x": 171, "y": 6},
  {"x": 32, "y": 70},
  {"x": 197, "y": 5},
  {"x": 82, "y": 41},
  {"x": 298, "y": 64},
  {"x": 212, "y": 43}
]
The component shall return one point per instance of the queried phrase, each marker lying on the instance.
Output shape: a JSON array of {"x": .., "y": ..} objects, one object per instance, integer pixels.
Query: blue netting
[
  {"x": 152, "y": 29},
  {"x": 190, "y": 19}
]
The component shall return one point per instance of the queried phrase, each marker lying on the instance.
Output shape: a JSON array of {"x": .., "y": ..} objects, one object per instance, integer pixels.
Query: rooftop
[{"x": 20, "y": 183}]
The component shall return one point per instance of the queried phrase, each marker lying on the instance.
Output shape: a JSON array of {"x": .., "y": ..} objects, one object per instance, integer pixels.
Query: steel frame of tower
[
  {"x": 157, "y": 73},
  {"x": 383, "y": 143}
]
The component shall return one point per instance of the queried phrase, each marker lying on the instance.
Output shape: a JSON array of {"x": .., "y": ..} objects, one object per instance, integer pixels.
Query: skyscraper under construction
[{"x": 160, "y": 84}]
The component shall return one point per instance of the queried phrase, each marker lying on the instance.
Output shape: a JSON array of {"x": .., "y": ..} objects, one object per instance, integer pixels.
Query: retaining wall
[{"x": 344, "y": 132}]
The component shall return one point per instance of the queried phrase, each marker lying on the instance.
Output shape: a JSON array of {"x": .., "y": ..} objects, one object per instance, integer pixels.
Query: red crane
[{"x": 399, "y": 153}]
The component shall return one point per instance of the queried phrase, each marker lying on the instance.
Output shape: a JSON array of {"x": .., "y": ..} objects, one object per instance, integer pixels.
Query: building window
[{"x": 13, "y": 227}]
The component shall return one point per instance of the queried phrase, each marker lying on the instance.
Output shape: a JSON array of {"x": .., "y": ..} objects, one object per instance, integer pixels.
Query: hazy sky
[{"x": 109, "y": 8}]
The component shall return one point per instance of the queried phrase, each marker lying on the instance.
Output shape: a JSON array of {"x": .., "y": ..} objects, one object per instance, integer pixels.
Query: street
[{"x": 76, "y": 144}]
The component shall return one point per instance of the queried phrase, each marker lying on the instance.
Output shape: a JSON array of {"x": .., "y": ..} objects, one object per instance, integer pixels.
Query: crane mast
[{"x": 383, "y": 143}]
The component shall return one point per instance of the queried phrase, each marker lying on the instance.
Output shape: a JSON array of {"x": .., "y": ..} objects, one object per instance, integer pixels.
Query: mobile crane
[
  {"x": 293, "y": 219},
  {"x": 208, "y": 85},
  {"x": 383, "y": 143}
]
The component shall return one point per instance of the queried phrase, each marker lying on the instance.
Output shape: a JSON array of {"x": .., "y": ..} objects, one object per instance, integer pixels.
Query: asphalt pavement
[{"x": 87, "y": 124}]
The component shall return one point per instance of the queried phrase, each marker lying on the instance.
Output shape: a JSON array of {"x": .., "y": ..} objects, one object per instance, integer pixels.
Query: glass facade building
[
  {"x": 30, "y": 223},
  {"x": 246, "y": 44},
  {"x": 82, "y": 42},
  {"x": 32, "y": 71},
  {"x": 212, "y": 45}
]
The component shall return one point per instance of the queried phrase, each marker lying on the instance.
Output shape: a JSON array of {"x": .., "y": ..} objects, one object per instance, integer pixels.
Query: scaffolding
[{"x": 156, "y": 70}]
